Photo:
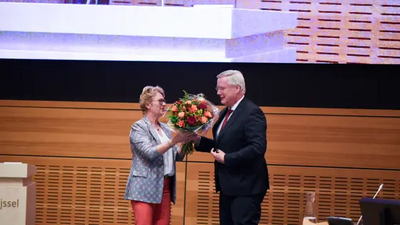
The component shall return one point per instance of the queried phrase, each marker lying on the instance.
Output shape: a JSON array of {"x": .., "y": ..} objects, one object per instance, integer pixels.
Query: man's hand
[
  {"x": 219, "y": 155},
  {"x": 197, "y": 139},
  {"x": 180, "y": 150}
]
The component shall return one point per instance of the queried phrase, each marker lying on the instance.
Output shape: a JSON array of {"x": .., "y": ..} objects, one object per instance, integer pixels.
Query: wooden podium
[{"x": 17, "y": 194}]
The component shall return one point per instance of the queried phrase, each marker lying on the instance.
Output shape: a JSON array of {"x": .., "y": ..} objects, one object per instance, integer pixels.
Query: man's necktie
[{"x": 226, "y": 118}]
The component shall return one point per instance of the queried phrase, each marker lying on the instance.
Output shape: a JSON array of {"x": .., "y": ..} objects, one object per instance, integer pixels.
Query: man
[{"x": 239, "y": 146}]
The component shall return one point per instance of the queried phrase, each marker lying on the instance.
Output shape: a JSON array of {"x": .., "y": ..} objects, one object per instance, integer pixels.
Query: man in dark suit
[{"x": 238, "y": 146}]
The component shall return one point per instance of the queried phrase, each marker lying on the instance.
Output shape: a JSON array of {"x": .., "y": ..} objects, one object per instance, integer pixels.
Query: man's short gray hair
[{"x": 235, "y": 77}]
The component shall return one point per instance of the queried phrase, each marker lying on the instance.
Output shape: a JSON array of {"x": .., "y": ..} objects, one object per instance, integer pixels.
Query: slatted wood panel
[
  {"x": 81, "y": 194},
  {"x": 201, "y": 193},
  {"x": 88, "y": 194},
  {"x": 338, "y": 192},
  {"x": 341, "y": 31},
  {"x": 88, "y": 191}
]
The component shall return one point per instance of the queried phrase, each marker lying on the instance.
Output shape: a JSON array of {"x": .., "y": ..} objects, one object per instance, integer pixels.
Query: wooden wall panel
[
  {"x": 295, "y": 137},
  {"x": 200, "y": 192},
  {"x": 83, "y": 159},
  {"x": 88, "y": 191},
  {"x": 66, "y": 132},
  {"x": 330, "y": 140},
  {"x": 334, "y": 141},
  {"x": 338, "y": 192}
]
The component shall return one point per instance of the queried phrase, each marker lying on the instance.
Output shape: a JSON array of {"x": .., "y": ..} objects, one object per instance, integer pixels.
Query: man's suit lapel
[
  {"x": 231, "y": 121},
  {"x": 219, "y": 121}
]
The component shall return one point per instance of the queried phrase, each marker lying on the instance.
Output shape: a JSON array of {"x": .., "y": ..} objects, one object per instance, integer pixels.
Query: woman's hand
[{"x": 184, "y": 137}]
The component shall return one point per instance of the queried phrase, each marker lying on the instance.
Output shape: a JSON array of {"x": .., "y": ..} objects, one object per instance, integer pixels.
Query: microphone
[{"x": 379, "y": 189}]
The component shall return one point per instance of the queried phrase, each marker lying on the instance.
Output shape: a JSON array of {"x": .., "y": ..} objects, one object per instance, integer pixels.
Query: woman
[{"x": 151, "y": 185}]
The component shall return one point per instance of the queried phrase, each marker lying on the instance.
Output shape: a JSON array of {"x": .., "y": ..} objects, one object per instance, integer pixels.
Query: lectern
[{"x": 17, "y": 194}]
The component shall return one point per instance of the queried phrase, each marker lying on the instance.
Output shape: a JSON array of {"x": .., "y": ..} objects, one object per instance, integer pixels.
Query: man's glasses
[{"x": 220, "y": 88}]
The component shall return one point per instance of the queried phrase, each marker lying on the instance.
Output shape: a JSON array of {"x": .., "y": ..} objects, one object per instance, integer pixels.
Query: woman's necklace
[{"x": 158, "y": 128}]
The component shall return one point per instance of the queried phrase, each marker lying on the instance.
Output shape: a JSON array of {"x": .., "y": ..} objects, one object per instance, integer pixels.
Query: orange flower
[
  {"x": 207, "y": 114},
  {"x": 181, "y": 123},
  {"x": 188, "y": 102},
  {"x": 181, "y": 114},
  {"x": 193, "y": 109},
  {"x": 174, "y": 109},
  {"x": 204, "y": 119}
]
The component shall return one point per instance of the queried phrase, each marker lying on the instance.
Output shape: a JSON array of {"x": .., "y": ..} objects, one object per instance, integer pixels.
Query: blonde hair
[
  {"x": 147, "y": 96},
  {"x": 235, "y": 77}
]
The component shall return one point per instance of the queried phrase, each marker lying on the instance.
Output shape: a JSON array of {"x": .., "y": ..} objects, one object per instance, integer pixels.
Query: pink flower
[
  {"x": 181, "y": 114},
  {"x": 181, "y": 123},
  {"x": 207, "y": 114},
  {"x": 193, "y": 109},
  {"x": 174, "y": 109},
  {"x": 204, "y": 119}
]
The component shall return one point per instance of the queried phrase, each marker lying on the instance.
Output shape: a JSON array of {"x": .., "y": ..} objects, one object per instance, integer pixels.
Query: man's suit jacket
[
  {"x": 146, "y": 179},
  {"x": 243, "y": 139}
]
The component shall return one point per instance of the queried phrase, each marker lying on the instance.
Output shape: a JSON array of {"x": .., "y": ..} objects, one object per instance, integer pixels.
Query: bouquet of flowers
[{"x": 192, "y": 113}]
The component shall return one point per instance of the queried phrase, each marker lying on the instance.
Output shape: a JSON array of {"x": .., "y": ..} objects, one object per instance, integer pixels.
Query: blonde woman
[{"x": 151, "y": 185}]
